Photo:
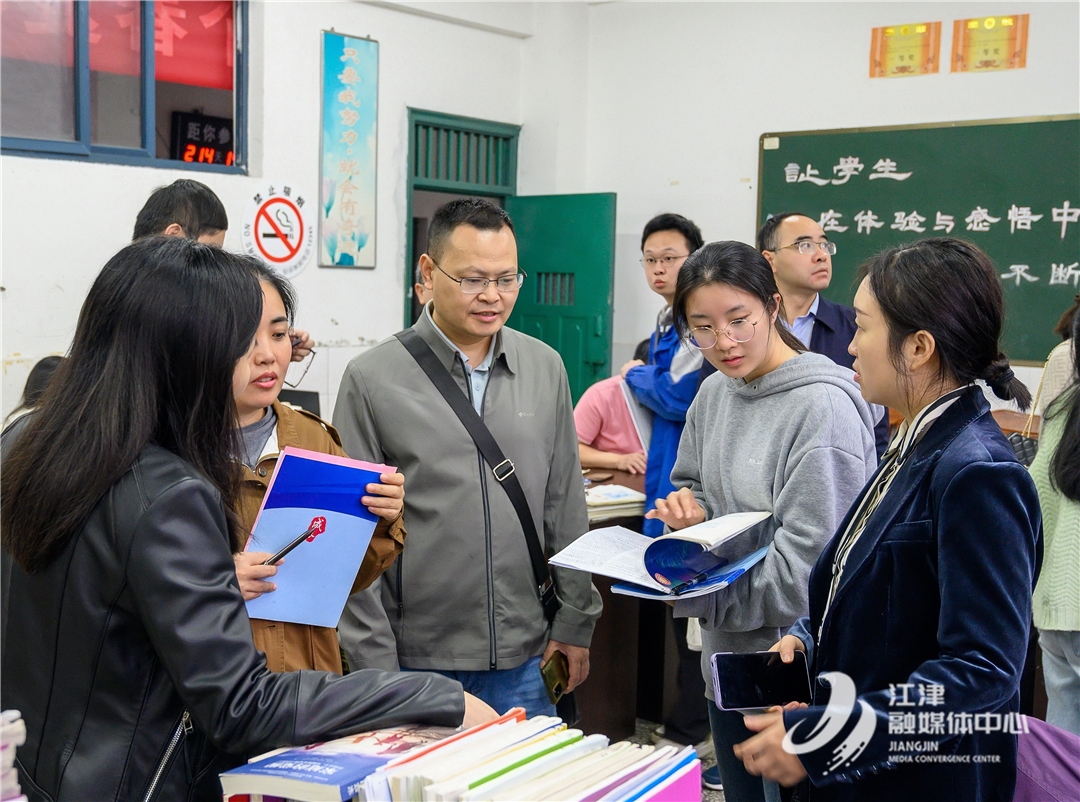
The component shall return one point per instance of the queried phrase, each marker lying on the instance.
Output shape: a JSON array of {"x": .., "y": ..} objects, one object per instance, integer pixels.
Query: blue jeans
[
  {"x": 508, "y": 687},
  {"x": 739, "y": 784},
  {"x": 1061, "y": 670}
]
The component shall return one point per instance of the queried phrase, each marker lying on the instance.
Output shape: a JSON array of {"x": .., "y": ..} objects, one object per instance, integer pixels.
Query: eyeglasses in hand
[
  {"x": 474, "y": 285},
  {"x": 307, "y": 367},
  {"x": 807, "y": 247}
]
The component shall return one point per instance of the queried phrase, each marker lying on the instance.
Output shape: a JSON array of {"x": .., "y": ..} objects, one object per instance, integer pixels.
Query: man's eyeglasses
[
  {"x": 739, "y": 331},
  {"x": 474, "y": 285},
  {"x": 807, "y": 247},
  {"x": 661, "y": 261}
]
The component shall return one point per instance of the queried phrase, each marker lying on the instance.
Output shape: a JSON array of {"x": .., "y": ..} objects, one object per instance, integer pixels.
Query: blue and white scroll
[{"x": 350, "y": 86}]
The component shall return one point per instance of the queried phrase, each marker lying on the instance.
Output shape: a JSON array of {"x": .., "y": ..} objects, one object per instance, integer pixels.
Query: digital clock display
[{"x": 202, "y": 139}]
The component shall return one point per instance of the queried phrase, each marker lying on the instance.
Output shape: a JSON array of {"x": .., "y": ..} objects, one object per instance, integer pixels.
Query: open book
[{"x": 690, "y": 562}]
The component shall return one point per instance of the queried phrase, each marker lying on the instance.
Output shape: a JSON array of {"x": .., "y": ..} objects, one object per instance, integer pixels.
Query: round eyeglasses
[
  {"x": 739, "y": 331},
  {"x": 807, "y": 247},
  {"x": 474, "y": 285}
]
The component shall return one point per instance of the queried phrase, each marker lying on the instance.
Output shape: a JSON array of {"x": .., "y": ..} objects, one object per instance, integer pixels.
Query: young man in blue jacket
[
  {"x": 667, "y": 383},
  {"x": 801, "y": 257}
]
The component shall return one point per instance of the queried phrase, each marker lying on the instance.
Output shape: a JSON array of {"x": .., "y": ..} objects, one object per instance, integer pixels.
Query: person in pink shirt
[{"x": 608, "y": 434}]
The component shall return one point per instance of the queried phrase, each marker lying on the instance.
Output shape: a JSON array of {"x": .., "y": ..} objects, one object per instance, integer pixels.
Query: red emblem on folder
[{"x": 318, "y": 526}]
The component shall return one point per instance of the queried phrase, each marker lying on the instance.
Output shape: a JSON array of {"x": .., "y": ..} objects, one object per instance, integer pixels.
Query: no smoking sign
[{"x": 276, "y": 229}]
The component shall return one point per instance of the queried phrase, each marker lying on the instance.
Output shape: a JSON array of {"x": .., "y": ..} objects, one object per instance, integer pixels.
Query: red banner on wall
[{"x": 193, "y": 39}]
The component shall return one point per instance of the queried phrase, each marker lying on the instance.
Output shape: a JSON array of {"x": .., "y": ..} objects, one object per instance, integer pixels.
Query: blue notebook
[{"x": 314, "y": 581}]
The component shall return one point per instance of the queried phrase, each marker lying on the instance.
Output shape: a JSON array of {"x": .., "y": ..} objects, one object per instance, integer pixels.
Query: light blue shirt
[
  {"x": 803, "y": 327},
  {"x": 478, "y": 376}
]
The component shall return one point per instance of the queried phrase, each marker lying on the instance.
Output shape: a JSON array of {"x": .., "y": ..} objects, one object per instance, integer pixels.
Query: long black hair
[
  {"x": 152, "y": 361},
  {"x": 949, "y": 288},
  {"x": 738, "y": 265},
  {"x": 36, "y": 384},
  {"x": 1065, "y": 464}
]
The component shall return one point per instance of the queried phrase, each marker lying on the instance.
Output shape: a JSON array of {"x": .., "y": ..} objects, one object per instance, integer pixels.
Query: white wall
[
  {"x": 662, "y": 103},
  {"x": 63, "y": 219},
  {"x": 680, "y": 92}
]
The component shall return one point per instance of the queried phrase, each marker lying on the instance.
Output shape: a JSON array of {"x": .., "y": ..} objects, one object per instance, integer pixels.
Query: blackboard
[{"x": 873, "y": 188}]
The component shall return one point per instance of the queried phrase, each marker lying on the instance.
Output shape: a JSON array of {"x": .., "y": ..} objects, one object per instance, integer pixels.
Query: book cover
[
  {"x": 312, "y": 776},
  {"x": 315, "y": 578}
]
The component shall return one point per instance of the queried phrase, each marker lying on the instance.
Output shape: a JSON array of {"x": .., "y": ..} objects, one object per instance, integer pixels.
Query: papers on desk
[
  {"x": 613, "y": 501},
  {"x": 691, "y": 562}
]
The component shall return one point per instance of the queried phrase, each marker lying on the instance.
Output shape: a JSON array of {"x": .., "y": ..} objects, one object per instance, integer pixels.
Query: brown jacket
[{"x": 288, "y": 646}]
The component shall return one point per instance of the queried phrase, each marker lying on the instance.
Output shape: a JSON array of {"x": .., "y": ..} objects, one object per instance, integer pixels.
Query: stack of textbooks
[
  {"x": 511, "y": 759},
  {"x": 613, "y": 501},
  {"x": 12, "y": 736}
]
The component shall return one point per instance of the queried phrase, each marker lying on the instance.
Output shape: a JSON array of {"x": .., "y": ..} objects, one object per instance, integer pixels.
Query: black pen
[
  {"x": 682, "y": 587},
  {"x": 318, "y": 526}
]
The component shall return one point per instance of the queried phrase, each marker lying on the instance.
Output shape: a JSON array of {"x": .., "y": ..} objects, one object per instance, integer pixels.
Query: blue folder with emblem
[{"x": 320, "y": 493}]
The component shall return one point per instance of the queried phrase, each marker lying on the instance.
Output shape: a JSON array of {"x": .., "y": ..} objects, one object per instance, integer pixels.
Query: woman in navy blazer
[{"x": 920, "y": 605}]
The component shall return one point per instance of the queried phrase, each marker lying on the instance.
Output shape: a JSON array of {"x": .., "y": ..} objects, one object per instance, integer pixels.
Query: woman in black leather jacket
[{"x": 126, "y": 644}]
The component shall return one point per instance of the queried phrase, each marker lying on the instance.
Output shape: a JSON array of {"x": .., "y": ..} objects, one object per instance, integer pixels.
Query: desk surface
[{"x": 635, "y": 481}]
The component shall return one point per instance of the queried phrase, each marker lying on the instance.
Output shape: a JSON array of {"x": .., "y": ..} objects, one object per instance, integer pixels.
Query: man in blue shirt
[{"x": 801, "y": 257}]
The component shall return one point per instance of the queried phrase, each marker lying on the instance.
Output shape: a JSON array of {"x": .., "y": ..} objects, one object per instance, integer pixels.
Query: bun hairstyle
[
  {"x": 738, "y": 265},
  {"x": 949, "y": 288}
]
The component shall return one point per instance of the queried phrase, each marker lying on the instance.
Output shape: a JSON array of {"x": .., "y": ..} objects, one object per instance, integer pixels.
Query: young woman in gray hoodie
[{"x": 776, "y": 429}]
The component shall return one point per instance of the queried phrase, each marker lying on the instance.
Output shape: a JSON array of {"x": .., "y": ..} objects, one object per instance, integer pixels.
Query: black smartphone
[
  {"x": 556, "y": 674},
  {"x": 759, "y": 680}
]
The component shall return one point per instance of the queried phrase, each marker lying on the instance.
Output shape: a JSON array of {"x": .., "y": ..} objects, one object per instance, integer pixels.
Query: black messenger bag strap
[{"x": 501, "y": 467}]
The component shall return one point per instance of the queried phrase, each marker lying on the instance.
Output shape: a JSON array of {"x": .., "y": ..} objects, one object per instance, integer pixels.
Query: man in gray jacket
[{"x": 462, "y": 598}]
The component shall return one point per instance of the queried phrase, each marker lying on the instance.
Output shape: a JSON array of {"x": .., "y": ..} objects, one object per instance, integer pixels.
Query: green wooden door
[{"x": 566, "y": 245}]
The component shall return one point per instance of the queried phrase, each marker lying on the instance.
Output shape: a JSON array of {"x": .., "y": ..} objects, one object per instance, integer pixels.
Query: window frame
[{"x": 82, "y": 149}]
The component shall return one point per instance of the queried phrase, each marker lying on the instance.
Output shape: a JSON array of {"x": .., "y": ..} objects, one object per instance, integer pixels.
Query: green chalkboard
[{"x": 872, "y": 188}]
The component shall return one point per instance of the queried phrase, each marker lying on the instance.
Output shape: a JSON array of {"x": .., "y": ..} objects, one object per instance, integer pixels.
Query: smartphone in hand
[
  {"x": 556, "y": 674},
  {"x": 759, "y": 680}
]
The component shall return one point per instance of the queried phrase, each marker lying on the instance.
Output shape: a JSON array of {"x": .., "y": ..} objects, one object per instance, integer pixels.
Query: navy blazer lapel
[
  {"x": 828, "y": 313},
  {"x": 970, "y": 406}
]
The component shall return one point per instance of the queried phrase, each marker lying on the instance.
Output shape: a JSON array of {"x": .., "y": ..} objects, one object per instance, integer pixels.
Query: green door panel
[{"x": 566, "y": 245}]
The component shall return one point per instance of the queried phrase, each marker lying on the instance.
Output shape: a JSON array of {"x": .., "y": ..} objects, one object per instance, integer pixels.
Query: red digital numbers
[{"x": 193, "y": 153}]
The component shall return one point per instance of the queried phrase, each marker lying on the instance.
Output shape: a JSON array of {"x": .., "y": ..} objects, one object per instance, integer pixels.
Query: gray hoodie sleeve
[
  {"x": 686, "y": 472},
  {"x": 821, "y": 482}
]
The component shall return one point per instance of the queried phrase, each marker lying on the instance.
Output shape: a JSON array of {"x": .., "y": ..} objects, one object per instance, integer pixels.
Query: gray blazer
[{"x": 462, "y": 596}]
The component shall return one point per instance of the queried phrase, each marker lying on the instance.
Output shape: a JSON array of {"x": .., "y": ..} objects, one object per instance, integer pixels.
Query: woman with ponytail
[
  {"x": 1056, "y": 471},
  {"x": 922, "y": 600}
]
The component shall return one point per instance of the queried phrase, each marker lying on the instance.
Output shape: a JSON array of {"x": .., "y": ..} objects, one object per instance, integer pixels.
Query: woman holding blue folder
[
  {"x": 266, "y": 428},
  {"x": 777, "y": 429},
  {"x": 126, "y": 644}
]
